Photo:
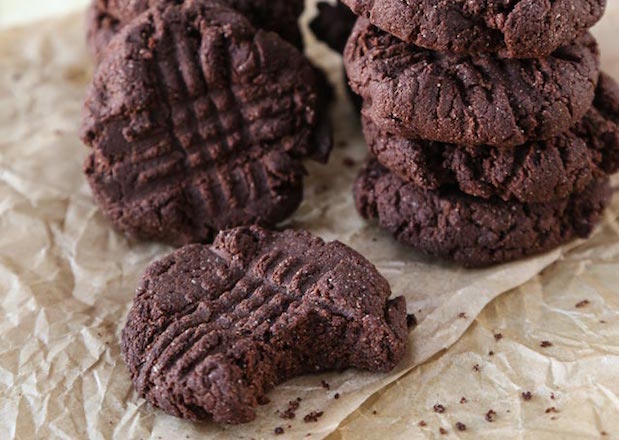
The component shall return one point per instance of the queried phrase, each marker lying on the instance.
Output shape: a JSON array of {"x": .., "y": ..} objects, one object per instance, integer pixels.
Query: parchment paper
[
  {"x": 573, "y": 380},
  {"x": 67, "y": 279}
]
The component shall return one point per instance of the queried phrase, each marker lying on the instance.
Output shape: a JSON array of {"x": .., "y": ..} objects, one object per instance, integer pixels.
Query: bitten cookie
[
  {"x": 535, "y": 172},
  {"x": 471, "y": 231},
  {"x": 214, "y": 328},
  {"x": 198, "y": 122},
  {"x": 511, "y": 28},
  {"x": 473, "y": 100},
  {"x": 106, "y": 17}
]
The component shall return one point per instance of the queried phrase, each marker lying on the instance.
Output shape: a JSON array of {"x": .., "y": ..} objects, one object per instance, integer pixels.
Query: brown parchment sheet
[{"x": 67, "y": 281}]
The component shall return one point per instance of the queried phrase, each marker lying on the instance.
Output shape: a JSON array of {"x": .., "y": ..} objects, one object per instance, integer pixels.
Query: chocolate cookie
[
  {"x": 214, "y": 328},
  {"x": 511, "y": 28},
  {"x": 474, "y": 100},
  {"x": 106, "y": 17},
  {"x": 600, "y": 126},
  {"x": 471, "y": 231},
  {"x": 198, "y": 122},
  {"x": 333, "y": 24},
  {"x": 535, "y": 172}
]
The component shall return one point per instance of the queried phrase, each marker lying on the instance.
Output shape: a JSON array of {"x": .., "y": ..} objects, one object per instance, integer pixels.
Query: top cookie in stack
[{"x": 492, "y": 129}]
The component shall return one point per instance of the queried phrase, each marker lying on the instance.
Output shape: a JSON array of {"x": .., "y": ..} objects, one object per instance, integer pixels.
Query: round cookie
[
  {"x": 511, "y": 29},
  {"x": 473, "y": 100},
  {"x": 106, "y": 17},
  {"x": 600, "y": 126},
  {"x": 471, "y": 231},
  {"x": 199, "y": 122},
  {"x": 214, "y": 328},
  {"x": 333, "y": 24},
  {"x": 535, "y": 172}
]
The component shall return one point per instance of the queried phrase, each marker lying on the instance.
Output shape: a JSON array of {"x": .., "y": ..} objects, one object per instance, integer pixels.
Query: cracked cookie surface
[
  {"x": 473, "y": 100},
  {"x": 471, "y": 231},
  {"x": 198, "y": 122},
  {"x": 510, "y": 28},
  {"x": 214, "y": 328},
  {"x": 535, "y": 172},
  {"x": 106, "y": 17}
]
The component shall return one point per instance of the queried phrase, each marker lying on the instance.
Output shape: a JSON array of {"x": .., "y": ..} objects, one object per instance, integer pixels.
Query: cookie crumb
[
  {"x": 603, "y": 433},
  {"x": 463, "y": 400},
  {"x": 438, "y": 408},
  {"x": 374, "y": 412},
  {"x": 325, "y": 385},
  {"x": 491, "y": 353},
  {"x": 476, "y": 367},
  {"x": 552, "y": 409},
  {"x": 498, "y": 336},
  {"x": 442, "y": 430},
  {"x": 583, "y": 303},
  {"x": 460, "y": 426},
  {"x": 552, "y": 396},
  {"x": 423, "y": 423},
  {"x": 526, "y": 395},
  {"x": 336, "y": 396},
  {"x": 411, "y": 320},
  {"x": 491, "y": 415},
  {"x": 313, "y": 416},
  {"x": 348, "y": 162},
  {"x": 462, "y": 315},
  {"x": 290, "y": 412},
  {"x": 545, "y": 344},
  {"x": 279, "y": 430}
]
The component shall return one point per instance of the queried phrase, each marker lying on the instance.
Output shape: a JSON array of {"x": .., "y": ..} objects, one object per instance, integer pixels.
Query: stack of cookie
[
  {"x": 198, "y": 119},
  {"x": 491, "y": 128}
]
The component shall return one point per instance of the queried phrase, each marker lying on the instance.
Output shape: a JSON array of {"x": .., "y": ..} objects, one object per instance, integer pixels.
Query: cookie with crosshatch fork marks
[
  {"x": 198, "y": 122},
  {"x": 213, "y": 328}
]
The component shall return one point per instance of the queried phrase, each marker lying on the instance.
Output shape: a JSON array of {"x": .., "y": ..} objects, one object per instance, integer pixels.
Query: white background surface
[{"x": 15, "y": 12}]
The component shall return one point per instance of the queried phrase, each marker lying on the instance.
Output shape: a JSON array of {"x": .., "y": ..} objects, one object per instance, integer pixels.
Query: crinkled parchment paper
[{"x": 67, "y": 280}]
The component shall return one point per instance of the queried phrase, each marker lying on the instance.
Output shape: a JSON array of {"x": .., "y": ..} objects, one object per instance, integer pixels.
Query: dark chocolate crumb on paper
[
  {"x": 583, "y": 303},
  {"x": 411, "y": 320},
  {"x": 438, "y": 408},
  {"x": 460, "y": 426},
  {"x": 491, "y": 415},
  {"x": 313, "y": 416}
]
